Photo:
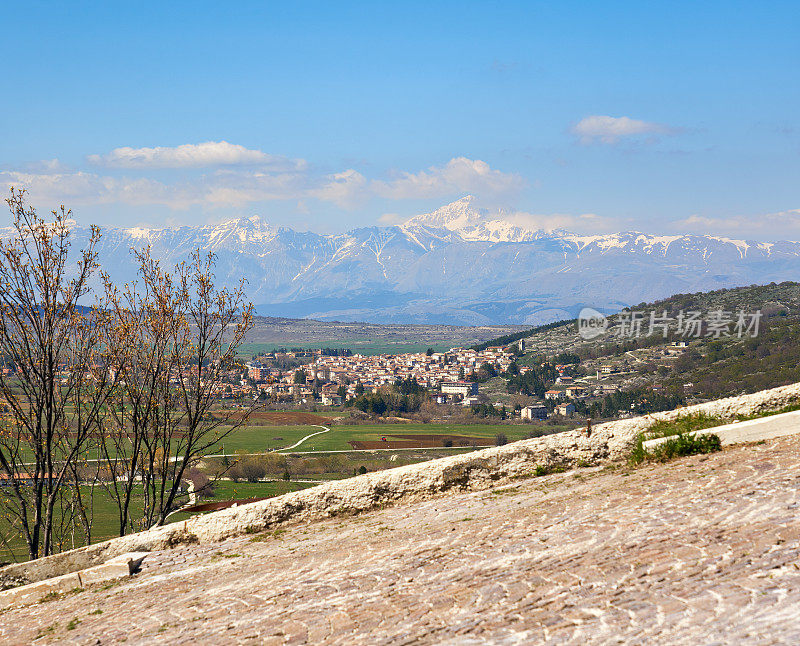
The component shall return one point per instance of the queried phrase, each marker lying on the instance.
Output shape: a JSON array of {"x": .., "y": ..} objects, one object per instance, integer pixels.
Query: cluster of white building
[
  {"x": 429, "y": 371},
  {"x": 444, "y": 371}
]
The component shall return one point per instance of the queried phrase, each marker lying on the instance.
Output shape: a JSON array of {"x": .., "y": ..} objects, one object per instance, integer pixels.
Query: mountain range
[{"x": 457, "y": 265}]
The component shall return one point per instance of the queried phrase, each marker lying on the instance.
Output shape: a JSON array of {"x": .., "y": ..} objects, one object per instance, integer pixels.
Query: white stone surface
[
  {"x": 35, "y": 592},
  {"x": 116, "y": 568}
]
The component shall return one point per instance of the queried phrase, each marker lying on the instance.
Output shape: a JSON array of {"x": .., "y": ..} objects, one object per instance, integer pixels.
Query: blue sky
[{"x": 663, "y": 117}]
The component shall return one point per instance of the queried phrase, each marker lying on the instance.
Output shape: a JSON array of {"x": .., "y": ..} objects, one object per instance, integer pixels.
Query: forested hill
[{"x": 711, "y": 365}]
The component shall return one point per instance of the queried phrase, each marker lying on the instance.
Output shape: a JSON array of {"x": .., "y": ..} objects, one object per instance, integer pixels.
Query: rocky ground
[{"x": 701, "y": 550}]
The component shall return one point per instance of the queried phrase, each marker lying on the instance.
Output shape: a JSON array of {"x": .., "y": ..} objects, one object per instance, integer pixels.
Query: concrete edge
[
  {"x": 478, "y": 469},
  {"x": 737, "y": 432},
  {"x": 117, "y": 568}
]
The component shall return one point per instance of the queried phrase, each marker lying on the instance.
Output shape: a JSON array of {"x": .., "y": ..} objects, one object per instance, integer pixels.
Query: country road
[{"x": 299, "y": 442}]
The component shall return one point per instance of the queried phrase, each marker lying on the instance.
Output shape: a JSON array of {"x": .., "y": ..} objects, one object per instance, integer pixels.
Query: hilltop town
[
  {"x": 344, "y": 376},
  {"x": 464, "y": 376}
]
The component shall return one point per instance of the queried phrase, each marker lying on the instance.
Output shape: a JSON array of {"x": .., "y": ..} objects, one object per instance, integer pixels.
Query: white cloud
[
  {"x": 609, "y": 130},
  {"x": 237, "y": 187},
  {"x": 210, "y": 153},
  {"x": 459, "y": 175},
  {"x": 582, "y": 223},
  {"x": 702, "y": 224},
  {"x": 760, "y": 227},
  {"x": 345, "y": 189},
  {"x": 88, "y": 188},
  {"x": 47, "y": 166},
  {"x": 392, "y": 219}
]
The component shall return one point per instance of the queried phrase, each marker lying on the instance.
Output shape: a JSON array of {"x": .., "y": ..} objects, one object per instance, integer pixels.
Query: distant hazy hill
[{"x": 457, "y": 265}]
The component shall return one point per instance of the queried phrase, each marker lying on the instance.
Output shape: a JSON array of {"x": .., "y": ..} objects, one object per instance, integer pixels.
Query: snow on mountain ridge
[
  {"x": 462, "y": 217},
  {"x": 452, "y": 216},
  {"x": 458, "y": 264}
]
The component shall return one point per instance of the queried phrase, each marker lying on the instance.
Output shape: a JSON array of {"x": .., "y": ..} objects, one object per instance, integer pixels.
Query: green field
[
  {"x": 258, "y": 439},
  {"x": 341, "y": 461},
  {"x": 261, "y": 439}
]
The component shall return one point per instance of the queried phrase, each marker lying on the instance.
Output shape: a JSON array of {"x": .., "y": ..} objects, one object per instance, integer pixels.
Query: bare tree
[
  {"x": 182, "y": 337},
  {"x": 214, "y": 323},
  {"x": 124, "y": 392},
  {"x": 145, "y": 328},
  {"x": 253, "y": 467},
  {"x": 55, "y": 383}
]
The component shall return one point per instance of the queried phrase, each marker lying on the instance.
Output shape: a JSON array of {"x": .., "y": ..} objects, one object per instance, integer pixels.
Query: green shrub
[
  {"x": 685, "y": 444},
  {"x": 682, "y": 425},
  {"x": 676, "y": 446}
]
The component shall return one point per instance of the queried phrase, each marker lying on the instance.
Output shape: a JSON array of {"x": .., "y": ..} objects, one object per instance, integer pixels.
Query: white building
[
  {"x": 330, "y": 399},
  {"x": 567, "y": 410},
  {"x": 534, "y": 412},
  {"x": 463, "y": 388}
]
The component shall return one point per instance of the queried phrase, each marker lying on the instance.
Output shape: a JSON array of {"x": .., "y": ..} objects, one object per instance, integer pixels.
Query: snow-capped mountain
[
  {"x": 473, "y": 223},
  {"x": 459, "y": 264}
]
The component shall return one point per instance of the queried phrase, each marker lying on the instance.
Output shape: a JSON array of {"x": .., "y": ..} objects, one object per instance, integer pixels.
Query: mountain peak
[
  {"x": 253, "y": 222},
  {"x": 454, "y": 216},
  {"x": 467, "y": 199},
  {"x": 474, "y": 223}
]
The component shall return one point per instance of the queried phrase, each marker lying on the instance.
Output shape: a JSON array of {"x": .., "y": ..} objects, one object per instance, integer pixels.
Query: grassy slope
[{"x": 257, "y": 439}]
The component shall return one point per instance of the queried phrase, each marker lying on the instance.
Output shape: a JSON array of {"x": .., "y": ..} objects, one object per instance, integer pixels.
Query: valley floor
[{"x": 704, "y": 549}]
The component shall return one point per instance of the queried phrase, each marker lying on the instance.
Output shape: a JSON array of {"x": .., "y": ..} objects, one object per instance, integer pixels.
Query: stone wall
[{"x": 475, "y": 470}]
